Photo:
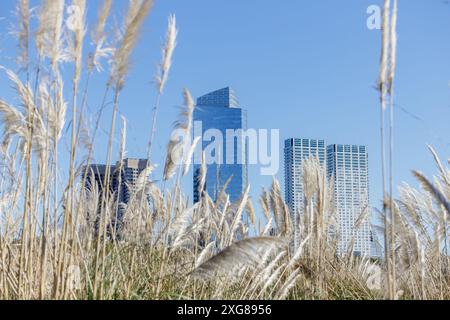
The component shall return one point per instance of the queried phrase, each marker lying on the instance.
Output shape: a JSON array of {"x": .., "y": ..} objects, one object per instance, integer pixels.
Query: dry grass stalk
[
  {"x": 165, "y": 244},
  {"x": 167, "y": 54}
]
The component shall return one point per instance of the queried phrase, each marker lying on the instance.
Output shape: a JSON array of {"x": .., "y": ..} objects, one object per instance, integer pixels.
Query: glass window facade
[
  {"x": 347, "y": 166},
  {"x": 296, "y": 151},
  {"x": 219, "y": 110}
]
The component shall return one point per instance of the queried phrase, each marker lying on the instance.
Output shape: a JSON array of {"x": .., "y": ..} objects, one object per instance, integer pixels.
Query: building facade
[
  {"x": 296, "y": 151},
  {"x": 347, "y": 167},
  {"x": 123, "y": 183},
  {"x": 217, "y": 117}
]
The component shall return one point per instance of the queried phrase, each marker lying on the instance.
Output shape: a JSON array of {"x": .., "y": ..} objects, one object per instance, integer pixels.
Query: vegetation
[{"x": 55, "y": 240}]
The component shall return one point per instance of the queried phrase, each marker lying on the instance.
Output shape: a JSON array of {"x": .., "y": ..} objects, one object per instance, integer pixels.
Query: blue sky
[{"x": 307, "y": 68}]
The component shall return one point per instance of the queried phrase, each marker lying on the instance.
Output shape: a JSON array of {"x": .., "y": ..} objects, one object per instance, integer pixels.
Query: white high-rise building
[
  {"x": 296, "y": 151},
  {"x": 348, "y": 166}
]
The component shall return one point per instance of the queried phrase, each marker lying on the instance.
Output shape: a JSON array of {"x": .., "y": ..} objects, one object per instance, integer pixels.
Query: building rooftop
[{"x": 220, "y": 98}]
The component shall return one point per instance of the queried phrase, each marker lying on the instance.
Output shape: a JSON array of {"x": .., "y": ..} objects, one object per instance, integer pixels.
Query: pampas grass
[
  {"x": 163, "y": 74},
  {"x": 24, "y": 34},
  {"x": 386, "y": 89},
  {"x": 54, "y": 228},
  {"x": 137, "y": 12},
  {"x": 180, "y": 147},
  {"x": 50, "y": 32},
  {"x": 167, "y": 53},
  {"x": 246, "y": 252}
]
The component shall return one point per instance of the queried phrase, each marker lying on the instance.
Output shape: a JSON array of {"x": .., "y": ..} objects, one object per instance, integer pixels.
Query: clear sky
[{"x": 307, "y": 68}]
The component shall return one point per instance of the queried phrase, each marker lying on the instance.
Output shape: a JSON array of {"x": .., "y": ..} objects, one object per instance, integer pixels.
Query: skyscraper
[
  {"x": 348, "y": 166},
  {"x": 123, "y": 182},
  {"x": 296, "y": 151},
  {"x": 221, "y": 122}
]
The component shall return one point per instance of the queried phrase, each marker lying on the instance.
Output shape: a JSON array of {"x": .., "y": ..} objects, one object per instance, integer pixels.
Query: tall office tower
[
  {"x": 348, "y": 166},
  {"x": 222, "y": 124},
  {"x": 123, "y": 182},
  {"x": 296, "y": 151}
]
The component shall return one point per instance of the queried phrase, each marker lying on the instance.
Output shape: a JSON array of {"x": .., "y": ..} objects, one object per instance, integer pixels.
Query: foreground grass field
[{"x": 55, "y": 236}]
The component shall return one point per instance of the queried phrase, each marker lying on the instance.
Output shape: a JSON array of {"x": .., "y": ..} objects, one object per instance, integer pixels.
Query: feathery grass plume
[
  {"x": 181, "y": 224},
  {"x": 24, "y": 92},
  {"x": 247, "y": 252},
  {"x": 238, "y": 213},
  {"x": 50, "y": 31},
  {"x": 271, "y": 262},
  {"x": 53, "y": 110},
  {"x": 384, "y": 62},
  {"x": 267, "y": 228},
  {"x": 272, "y": 279},
  {"x": 310, "y": 175},
  {"x": 123, "y": 139},
  {"x": 392, "y": 48},
  {"x": 186, "y": 114},
  {"x": 264, "y": 201},
  {"x": 206, "y": 252},
  {"x": 362, "y": 217},
  {"x": 103, "y": 15},
  {"x": 142, "y": 178},
  {"x": 428, "y": 186},
  {"x": 137, "y": 12},
  {"x": 59, "y": 111},
  {"x": 288, "y": 285},
  {"x": 223, "y": 197},
  {"x": 99, "y": 38},
  {"x": 24, "y": 33},
  {"x": 298, "y": 253},
  {"x": 391, "y": 75},
  {"x": 202, "y": 175},
  {"x": 179, "y": 146},
  {"x": 167, "y": 53},
  {"x": 445, "y": 174},
  {"x": 14, "y": 123},
  {"x": 382, "y": 87},
  {"x": 17, "y": 121},
  {"x": 174, "y": 156},
  {"x": 189, "y": 155},
  {"x": 250, "y": 210},
  {"x": 79, "y": 33},
  {"x": 280, "y": 209}
]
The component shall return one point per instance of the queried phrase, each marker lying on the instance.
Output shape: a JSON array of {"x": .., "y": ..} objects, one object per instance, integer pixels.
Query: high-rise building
[
  {"x": 348, "y": 166},
  {"x": 123, "y": 182},
  {"x": 296, "y": 151},
  {"x": 130, "y": 171},
  {"x": 217, "y": 117}
]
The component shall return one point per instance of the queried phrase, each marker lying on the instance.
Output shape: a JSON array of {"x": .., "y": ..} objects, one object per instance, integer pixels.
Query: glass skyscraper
[
  {"x": 348, "y": 166},
  {"x": 216, "y": 116}
]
